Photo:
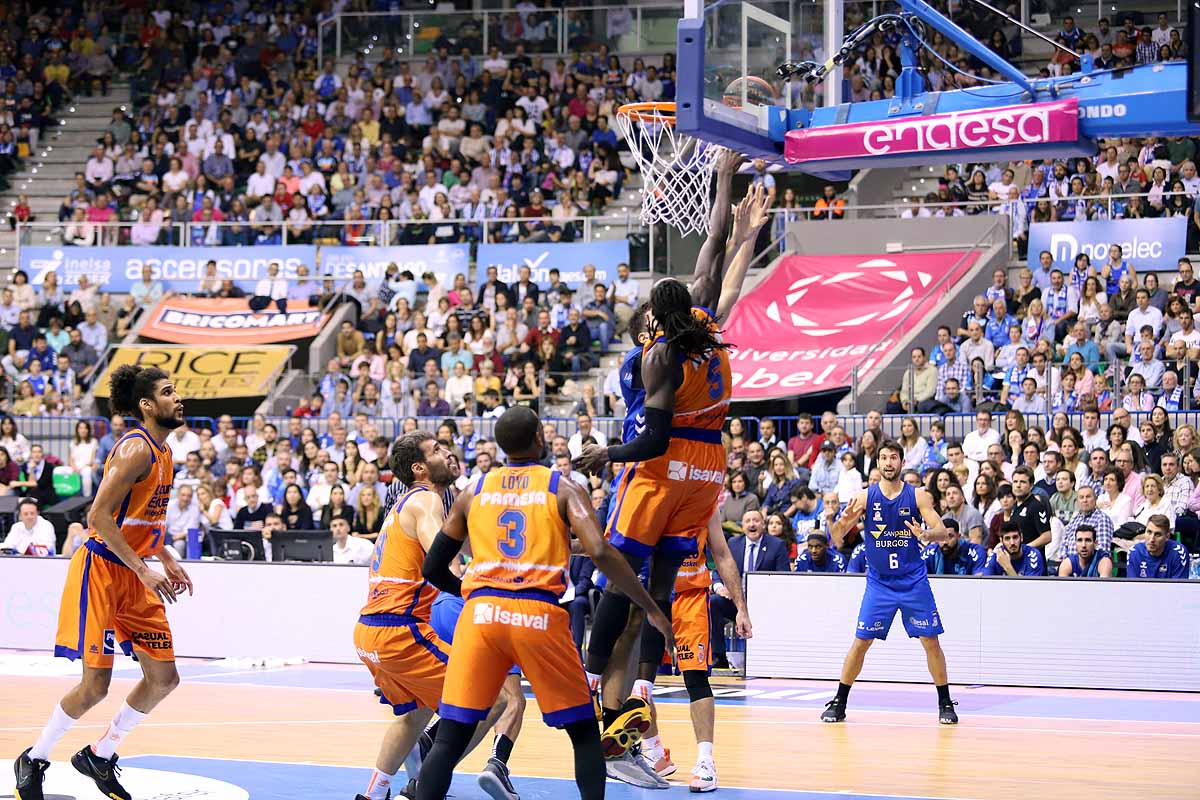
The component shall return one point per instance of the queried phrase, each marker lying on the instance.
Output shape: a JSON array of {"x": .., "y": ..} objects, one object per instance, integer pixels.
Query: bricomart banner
[
  {"x": 197, "y": 320},
  {"x": 804, "y": 328},
  {"x": 207, "y": 373}
]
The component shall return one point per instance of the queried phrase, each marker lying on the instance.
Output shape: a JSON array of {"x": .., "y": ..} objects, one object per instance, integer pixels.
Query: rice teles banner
[
  {"x": 804, "y": 327},
  {"x": 199, "y": 320},
  {"x": 211, "y": 380}
]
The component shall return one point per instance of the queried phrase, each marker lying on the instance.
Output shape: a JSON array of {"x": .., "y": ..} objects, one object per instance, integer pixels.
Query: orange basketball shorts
[
  {"x": 663, "y": 503},
  {"x": 104, "y": 606},
  {"x": 689, "y": 623},
  {"x": 406, "y": 658},
  {"x": 500, "y": 628}
]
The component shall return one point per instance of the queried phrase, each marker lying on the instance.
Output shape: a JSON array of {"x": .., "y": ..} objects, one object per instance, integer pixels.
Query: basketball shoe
[
  {"x": 704, "y": 776},
  {"x": 31, "y": 772},
  {"x": 104, "y": 771},
  {"x": 632, "y": 722}
]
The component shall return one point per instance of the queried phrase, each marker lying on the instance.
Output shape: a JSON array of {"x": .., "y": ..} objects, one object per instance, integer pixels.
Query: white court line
[
  {"x": 553, "y": 777},
  {"x": 385, "y": 721}
]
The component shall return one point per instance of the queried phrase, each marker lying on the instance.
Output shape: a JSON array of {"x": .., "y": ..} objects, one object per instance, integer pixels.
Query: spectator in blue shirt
[
  {"x": 858, "y": 559},
  {"x": 825, "y": 470},
  {"x": 817, "y": 557},
  {"x": 806, "y": 509},
  {"x": 955, "y": 556},
  {"x": 1013, "y": 557},
  {"x": 1086, "y": 561},
  {"x": 1158, "y": 556}
]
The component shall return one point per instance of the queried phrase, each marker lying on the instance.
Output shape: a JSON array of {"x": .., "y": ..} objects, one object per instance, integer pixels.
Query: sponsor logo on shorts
[
  {"x": 877, "y": 625},
  {"x": 918, "y": 623},
  {"x": 684, "y": 653},
  {"x": 110, "y": 643},
  {"x": 491, "y": 614},
  {"x": 151, "y": 640},
  {"x": 368, "y": 655},
  {"x": 683, "y": 471}
]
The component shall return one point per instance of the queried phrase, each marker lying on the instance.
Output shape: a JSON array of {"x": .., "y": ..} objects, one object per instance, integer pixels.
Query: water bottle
[{"x": 194, "y": 541}]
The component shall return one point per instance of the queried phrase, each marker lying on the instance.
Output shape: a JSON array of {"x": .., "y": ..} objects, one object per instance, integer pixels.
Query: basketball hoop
[{"x": 676, "y": 168}]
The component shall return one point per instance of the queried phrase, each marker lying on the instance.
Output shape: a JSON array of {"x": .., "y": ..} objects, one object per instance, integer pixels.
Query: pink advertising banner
[
  {"x": 804, "y": 327},
  {"x": 1011, "y": 126}
]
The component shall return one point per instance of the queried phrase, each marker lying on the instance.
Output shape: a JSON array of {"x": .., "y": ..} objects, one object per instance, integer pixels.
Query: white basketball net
[{"x": 676, "y": 169}]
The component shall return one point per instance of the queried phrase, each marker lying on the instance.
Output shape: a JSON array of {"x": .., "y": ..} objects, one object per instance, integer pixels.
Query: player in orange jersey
[
  {"x": 112, "y": 596},
  {"x": 675, "y": 468},
  {"x": 393, "y": 636},
  {"x": 689, "y": 619},
  {"x": 519, "y": 519}
]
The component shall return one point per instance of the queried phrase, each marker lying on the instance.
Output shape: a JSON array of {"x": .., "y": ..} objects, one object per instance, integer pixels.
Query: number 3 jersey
[
  {"x": 519, "y": 540},
  {"x": 893, "y": 554}
]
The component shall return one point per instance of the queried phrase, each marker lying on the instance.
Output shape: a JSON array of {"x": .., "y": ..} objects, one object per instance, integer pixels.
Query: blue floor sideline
[{"x": 272, "y": 781}]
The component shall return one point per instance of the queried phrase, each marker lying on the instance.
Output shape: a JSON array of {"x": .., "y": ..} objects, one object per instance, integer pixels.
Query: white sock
[
  {"x": 56, "y": 727},
  {"x": 704, "y": 751},
  {"x": 121, "y": 726},
  {"x": 652, "y": 747},
  {"x": 412, "y": 762},
  {"x": 380, "y": 783},
  {"x": 593, "y": 680},
  {"x": 642, "y": 689}
]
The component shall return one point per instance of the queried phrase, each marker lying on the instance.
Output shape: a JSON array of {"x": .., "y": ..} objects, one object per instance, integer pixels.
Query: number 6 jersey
[{"x": 893, "y": 553}]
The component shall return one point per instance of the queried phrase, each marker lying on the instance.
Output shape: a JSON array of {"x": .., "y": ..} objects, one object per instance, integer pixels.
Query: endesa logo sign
[{"x": 1040, "y": 123}]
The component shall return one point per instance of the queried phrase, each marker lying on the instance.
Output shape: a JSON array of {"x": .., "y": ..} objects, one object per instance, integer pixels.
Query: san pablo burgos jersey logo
[{"x": 877, "y": 270}]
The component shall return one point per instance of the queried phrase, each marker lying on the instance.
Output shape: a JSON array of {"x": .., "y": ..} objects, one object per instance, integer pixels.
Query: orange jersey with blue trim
[
  {"x": 519, "y": 540},
  {"x": 702, "y": 399},
  {"x": 396, "y": 585},
  {"x": 693, "y": 572},
  {"x": 142, "y": 517}
]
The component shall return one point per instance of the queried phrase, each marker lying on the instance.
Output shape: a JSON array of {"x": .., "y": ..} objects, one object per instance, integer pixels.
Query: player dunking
[
  {"x": 519, "y": 519},
  {"x": 897, "y": 580},
  {"x": 112, "y": 597},
  {"x": 676, "y": 464}
]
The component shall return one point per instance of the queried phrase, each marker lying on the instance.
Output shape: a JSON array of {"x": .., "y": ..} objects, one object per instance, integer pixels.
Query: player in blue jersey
[
  {"x": 1086, "y": 561},
  {"x": 1013, "y": 557},
  {"x": 892, "y": 513},
  {"x": 954, "y": 556},
  {"x": 857, "y": 562},
  {"x": 818, "y": 557},
  {"x": 1159, "y": 556}
]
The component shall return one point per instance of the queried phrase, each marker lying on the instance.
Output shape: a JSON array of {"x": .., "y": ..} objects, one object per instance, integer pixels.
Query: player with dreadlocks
[{"x": 674, "y": 467}]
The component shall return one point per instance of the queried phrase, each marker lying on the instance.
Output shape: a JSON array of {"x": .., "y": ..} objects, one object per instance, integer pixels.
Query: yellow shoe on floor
[{"x": 627, "y": 729}]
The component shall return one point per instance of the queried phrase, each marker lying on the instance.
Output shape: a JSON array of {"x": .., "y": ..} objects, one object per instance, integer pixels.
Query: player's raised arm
[
  {"x": 748, "y": 218},
  {"x": 727, "y": 569},
  {"x": 446, "y": 545},
  {"x": 934, "y": 530},
  {"x": 574, "y": 504},
  {"x": 851, "y": 514},
  {"x": 706, "y": 280},
  {"x": 128, "y": 464}
]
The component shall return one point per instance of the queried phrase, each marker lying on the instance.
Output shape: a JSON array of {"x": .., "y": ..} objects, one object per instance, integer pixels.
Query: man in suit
[
  {"x": 491, "y": 288},
  {"x": 38, "y": 478},
  {"x": 754, "y": 551}
]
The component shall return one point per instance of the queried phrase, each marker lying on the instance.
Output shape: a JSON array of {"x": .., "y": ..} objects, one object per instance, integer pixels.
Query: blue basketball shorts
[
  {"x": 916, "y": 605},
  {"x": 444, "y": 618}
]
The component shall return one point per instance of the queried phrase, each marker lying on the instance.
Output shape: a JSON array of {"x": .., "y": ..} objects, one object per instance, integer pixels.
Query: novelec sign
[{"x": 1154, "y": 244}]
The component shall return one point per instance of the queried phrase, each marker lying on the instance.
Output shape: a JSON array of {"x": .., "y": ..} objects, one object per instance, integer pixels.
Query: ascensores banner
[
  {"x": 180, "y": 269},
  {"x": 805, "y": 327},
  {"x": 568, "y": 258},
  {"x": 198, "y": 320},
  {"x": 207, "y": 373}
]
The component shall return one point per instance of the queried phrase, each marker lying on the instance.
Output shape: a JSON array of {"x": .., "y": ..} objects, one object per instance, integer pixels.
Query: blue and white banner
[
  {"x": 443, "y": 260},
  {"x": 117, "y": 269},
  {"x": 1149, "y": 244},
  {"x": 568, "y": 258}
]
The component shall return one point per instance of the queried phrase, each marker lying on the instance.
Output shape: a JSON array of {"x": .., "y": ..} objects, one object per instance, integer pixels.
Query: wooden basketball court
[{"x": 312, "y": 730}]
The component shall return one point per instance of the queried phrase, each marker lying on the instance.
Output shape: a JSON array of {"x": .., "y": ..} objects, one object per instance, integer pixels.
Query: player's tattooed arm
[
  {"x": 727, "y": 569},
  {"x": 446, "y": 546},
  {"x": 576, "y": 508},
  {"x": 129, "y": 463},
  {"x": 933, "y": 531}
]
